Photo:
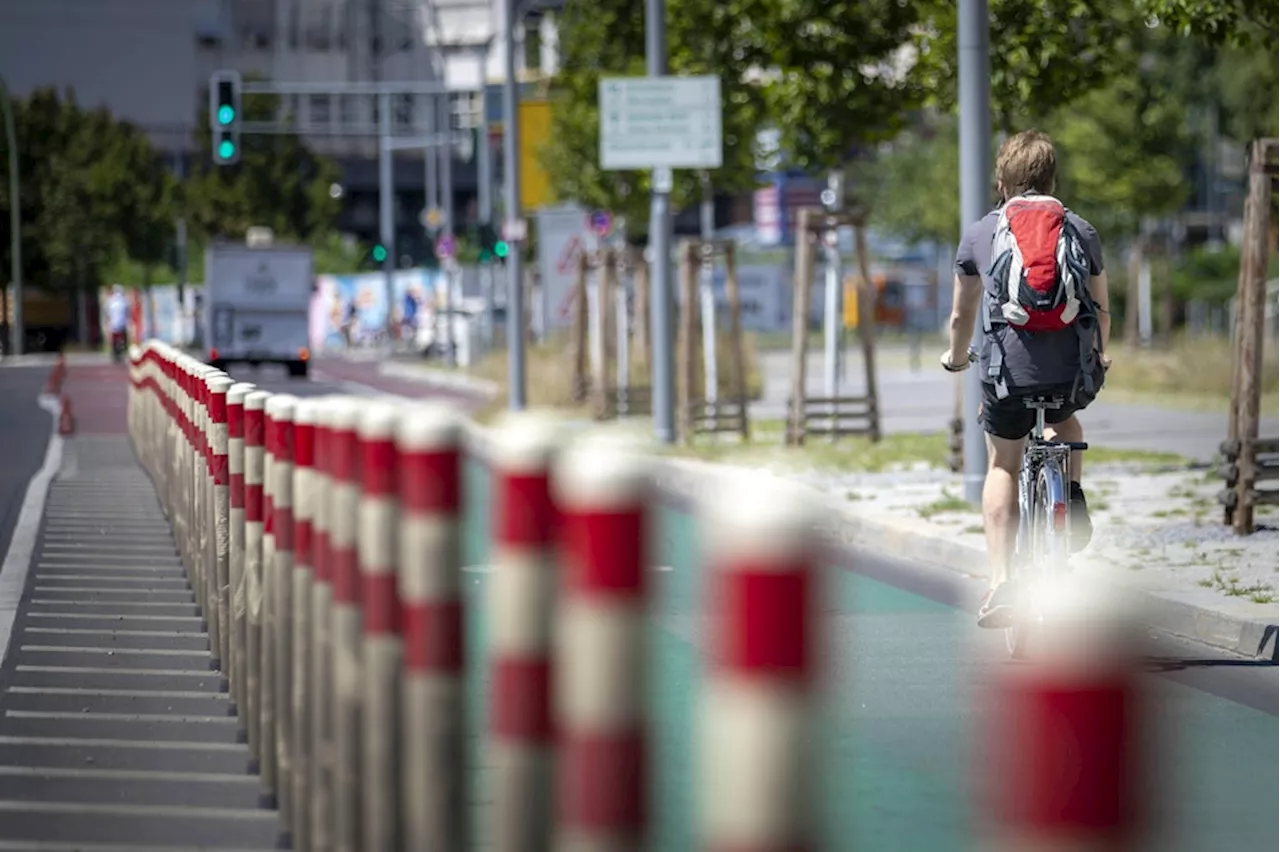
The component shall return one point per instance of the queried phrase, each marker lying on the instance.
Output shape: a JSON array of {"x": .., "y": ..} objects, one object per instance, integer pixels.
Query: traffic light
[
  {"x": 379, "y": 253},
  {"x": 224, "y": 116},
  {"x": 501, "y": 249}
]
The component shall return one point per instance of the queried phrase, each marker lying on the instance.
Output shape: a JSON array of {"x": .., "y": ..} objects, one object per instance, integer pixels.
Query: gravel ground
[{"x": 1151, "y": 527}]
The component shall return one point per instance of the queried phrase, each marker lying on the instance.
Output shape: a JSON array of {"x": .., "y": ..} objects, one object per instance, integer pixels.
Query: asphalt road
[
  {"x": 24, "y": 436},
  {"x": 924, "y": 400}
]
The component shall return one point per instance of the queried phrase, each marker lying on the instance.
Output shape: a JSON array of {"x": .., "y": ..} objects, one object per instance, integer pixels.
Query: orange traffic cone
[
  {"x": 56, "y": 376},
  {"x": 66, "y": 420}
]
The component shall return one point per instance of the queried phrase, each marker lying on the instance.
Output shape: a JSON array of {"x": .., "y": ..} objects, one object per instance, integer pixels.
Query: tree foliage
[
  {"x": 1221, "y": 22},
  {"x": 278, "y": 183},
  {"x": 93, "y": 190},
  {"x": 606, "y": 38}
]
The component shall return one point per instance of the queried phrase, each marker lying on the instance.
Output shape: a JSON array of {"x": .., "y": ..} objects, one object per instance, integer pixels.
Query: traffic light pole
[
  {"x": 511, "y": 162},
  {"x": 386, "y": 220},
  {"x": 17, "y": 332}
]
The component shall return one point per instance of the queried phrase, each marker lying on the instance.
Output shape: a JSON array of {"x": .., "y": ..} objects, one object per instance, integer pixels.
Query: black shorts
[{"x": 1009, "y": 418}]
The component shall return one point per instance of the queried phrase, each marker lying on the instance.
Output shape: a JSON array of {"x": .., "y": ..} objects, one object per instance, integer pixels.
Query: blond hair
[{"x": 1027, "y": 163}]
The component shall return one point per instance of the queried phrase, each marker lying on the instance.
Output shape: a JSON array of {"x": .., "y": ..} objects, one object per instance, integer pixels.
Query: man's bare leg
[
  {"x": 1000, "y": 503},
  {"x": 1072, "y": 432}
]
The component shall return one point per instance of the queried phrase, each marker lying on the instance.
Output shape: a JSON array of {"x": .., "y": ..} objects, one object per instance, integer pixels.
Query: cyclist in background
[{"x": 1036, "y": 271}]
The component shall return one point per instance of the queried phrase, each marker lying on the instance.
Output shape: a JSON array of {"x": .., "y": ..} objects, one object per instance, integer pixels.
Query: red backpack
[{"x": 1038, "y": 264}]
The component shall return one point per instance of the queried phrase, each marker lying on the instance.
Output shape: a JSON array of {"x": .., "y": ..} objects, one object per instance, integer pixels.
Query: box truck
[{"x": 257, "y": 305}]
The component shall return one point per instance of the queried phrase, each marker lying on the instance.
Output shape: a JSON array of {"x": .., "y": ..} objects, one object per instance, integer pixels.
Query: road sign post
[{"x": 661, "y": 123}]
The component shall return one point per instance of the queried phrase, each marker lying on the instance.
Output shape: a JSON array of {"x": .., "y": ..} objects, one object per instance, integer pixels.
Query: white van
[{"x": 257, "y": 305}]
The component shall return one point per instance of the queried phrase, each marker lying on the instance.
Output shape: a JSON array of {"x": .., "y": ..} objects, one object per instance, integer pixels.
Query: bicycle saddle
[{"x": 1044, "y": 400}]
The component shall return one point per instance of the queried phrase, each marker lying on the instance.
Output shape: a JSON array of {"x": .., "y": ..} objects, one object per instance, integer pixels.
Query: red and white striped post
[
  {"x": 522, "y": 610},
  {"x": 248, "y": 596},
  {"x": 432, "y": 720},
  {"x": 1066, "y": 761},
  {"x": 185, "y": 475},
  {"x": 305, "y": 498},
  {"x": 757, "y": 771},
  {"x": 381, "y": 661},
  {"x": 346, "y": 629},
  {"x": 322, "y": 693},
  {"x": 235, "y": 538},
  {"x": 277, "y": 608},
  {"x": 219, "y": 642},
  {"x": 200, "y": 493},
  {"x": 600, "y": 672}
]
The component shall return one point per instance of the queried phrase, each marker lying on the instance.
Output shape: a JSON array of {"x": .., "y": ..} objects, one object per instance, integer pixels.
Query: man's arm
[{"x": 966, "y": 296}]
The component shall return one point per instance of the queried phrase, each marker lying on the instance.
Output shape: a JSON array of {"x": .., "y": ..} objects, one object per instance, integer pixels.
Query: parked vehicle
[{"x": 257, "y": 305}]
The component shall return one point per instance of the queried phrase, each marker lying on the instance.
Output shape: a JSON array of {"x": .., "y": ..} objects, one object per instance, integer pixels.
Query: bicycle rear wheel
[{"x": 1043, "y": 556}]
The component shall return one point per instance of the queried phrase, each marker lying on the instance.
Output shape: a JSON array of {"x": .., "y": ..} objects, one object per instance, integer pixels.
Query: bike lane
[{"x": 897, "y": 734}]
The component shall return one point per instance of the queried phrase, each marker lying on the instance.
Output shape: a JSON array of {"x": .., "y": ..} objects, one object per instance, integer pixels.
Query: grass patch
[
  {"x": 1110, "y": 455},
  {"x": 1188, "y": 373},
  {"x": 1232, "y": 587},
  {"x": 852, "y": 454},
  {"x": 948, "y": 502},
  {"x": 549, "y": 376}
]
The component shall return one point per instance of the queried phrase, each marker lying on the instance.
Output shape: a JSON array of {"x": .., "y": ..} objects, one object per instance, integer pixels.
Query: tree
[
  {"x": 911, "y": 183},
  {"x": 606, "y": 38},
  {"x": 1044, "y": 53},
  {"x": 279, "y": 183},
  {"x": 1231, "y": 22}
]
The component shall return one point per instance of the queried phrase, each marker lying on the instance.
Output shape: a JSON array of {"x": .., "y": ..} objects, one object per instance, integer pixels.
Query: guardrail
[{"x": 323, "y": 538}]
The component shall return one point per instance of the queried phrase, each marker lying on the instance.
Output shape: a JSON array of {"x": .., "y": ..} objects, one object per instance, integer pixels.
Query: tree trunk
[{"x": 1133, "y": 295}]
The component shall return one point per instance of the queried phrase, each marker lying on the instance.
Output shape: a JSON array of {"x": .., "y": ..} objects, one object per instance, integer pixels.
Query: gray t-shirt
[{"x": 1031, "y": 359}]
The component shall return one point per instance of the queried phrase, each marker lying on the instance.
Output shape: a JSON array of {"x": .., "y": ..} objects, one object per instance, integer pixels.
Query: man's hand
[
  {"x": 1106, "y": 362},
  {"x": 952, "y": 365}
]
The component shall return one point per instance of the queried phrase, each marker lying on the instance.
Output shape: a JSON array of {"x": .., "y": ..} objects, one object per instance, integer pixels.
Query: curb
[
  {"x": 438, "y": 378},
  {"x": 1171, "y": 612}
]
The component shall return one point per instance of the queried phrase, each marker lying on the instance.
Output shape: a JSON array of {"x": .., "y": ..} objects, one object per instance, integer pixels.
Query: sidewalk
[{"x": 115, "y": 731}]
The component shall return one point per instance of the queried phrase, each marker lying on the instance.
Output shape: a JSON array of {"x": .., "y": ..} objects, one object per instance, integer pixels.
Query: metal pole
[
  {"x": 431, "y": 164},
  {"x": 707, "y": 290},
  {"x": 451, "y": 266},
  {"x": 833, "y": 314},
  {"x": 484, "y": 160},
  {"x": 511, "y": 164},
  {"x": 975, "y": 140},
  {"x": 16, "y": 330},
  {"x": 661, "y": 346},
  {"x": 180, "y": 168},
  {"x": 386, "y": 196}
]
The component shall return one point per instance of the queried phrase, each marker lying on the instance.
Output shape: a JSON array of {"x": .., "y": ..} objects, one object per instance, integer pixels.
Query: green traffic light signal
[
  {"x": 379, "y": 253},
  {"x": 226, "y": 149},
  {"x": 501, "y": 249},
  {"x": 226, "y": 114}
]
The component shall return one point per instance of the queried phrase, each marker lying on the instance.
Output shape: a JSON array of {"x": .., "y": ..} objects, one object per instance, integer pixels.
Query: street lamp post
[{"x": 16, "y": 330}]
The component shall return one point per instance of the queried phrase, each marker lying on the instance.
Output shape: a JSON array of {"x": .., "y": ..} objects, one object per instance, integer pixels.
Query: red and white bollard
[
  {"x": 432, "y": 720},
  {"x": 345, "y": 628},
  {"x": 600, "y": 673},
  {"x": 322, "y": 694},
  {"x": 521, "y": 614},
  {"x": 1064, "y": 734},
  {"x": 381, "y": 660},
  {"x": 756, "y": 781},
  {"x": 248, "y": 596},
  {"x": 277, "y": 603},
  {"x": 235, "y": 538},
  {"x": 219, "y": 604},
  {"x": 305, "y": 414}
]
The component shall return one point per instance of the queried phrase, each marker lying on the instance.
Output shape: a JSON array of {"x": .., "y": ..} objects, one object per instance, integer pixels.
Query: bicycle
[{"x": 1043, "y": 543}]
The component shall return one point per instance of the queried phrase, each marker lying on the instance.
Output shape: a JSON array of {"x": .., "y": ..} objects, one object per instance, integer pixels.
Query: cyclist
[{"x": 1039, "y": 260}]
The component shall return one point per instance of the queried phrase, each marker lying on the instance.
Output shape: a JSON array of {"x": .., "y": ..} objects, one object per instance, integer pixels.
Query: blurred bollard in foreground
[
  {"x": 1063, "y": 744},
  {"x": 305, "y": 414},
  {"x": 521, "y": 615},
  {"x": 248, "y": 598},
  {"x": 432, "y": 720},
  {"x": 600, "y": 672},
  {"x": 235, "y": 542},
  {"x": 757, "y": 766}
]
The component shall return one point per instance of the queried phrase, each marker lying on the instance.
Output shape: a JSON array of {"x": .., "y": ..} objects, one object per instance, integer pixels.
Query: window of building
[
  {"x": 320, "y": 109},
  {"x": 346, "y": 110},
  {"x": 319, "y": 28},
  {"x": 403, "y": 110}
]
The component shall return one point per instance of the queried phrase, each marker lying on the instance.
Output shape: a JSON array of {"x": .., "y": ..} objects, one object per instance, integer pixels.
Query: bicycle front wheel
[{"x": 1043, "y": 553}]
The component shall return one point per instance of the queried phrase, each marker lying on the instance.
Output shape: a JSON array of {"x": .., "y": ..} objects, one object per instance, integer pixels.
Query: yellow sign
[
  {"x": 851, "y": 301},
  {"x": 535, "y": 130}
]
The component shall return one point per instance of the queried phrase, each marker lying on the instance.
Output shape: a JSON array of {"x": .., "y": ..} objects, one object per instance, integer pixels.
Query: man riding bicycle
[{"x": 1036, "y": 270}]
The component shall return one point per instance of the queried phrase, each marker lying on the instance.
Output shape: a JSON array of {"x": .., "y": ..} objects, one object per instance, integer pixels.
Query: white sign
[
  {"x": 515, "y": 230},
  {"x": 653, "y": 122},
  {"x": 563, "y": 234}
]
